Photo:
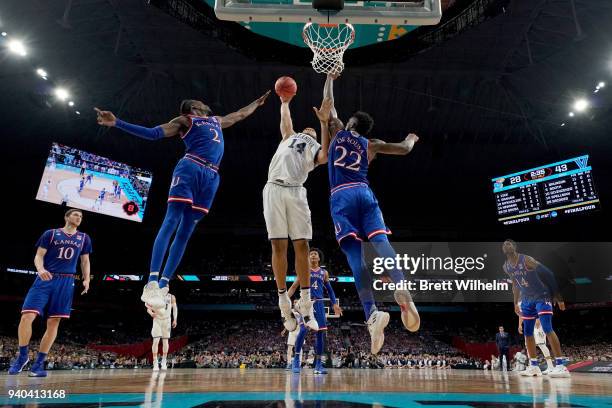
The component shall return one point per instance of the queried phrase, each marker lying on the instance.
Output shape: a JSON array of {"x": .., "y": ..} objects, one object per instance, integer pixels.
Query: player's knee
[
  {"x": 28, "y": 317},
  {"x": 301, "y": 246},
  {"x": 279, "y": 246},
  {"x": 546, "y": 322},
  {"x": 53, "y": 322}
]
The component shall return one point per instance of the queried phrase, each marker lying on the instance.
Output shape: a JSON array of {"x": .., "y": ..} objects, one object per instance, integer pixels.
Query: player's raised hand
[
  {"x": 561, "y": 305},
  {"x": 337, "y": 309},
  {"x": 412, "y": 138},
  {"x": 262, "y": 99},
  {"x": 85, "y": 287},
  {"x": 324, "y": 111},
  {"x": 45, "y": 275},
  {"x": 105, "y": 118}
]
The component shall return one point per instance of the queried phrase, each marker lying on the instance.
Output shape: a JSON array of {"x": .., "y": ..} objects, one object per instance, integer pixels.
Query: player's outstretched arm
[
  {"x": 85, "y": 270},
  {"x": 170, "y": 129},
  {"x": 547, "y": 277},
  {"x": 286, "y": 123},
  {"x": 328, "y": 92},
  {"x": 376, "y": 146},
  {"x": 323, "y": 114},
  {"x": 234, "y": 117}
]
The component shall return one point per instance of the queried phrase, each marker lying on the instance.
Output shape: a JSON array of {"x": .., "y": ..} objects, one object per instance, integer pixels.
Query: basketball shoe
[{"x": 376, "y": 326}]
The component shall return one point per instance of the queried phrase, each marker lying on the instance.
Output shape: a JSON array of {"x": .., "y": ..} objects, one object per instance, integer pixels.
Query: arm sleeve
[
  {"x": 45, "y": 239},
  {"x": 330, "y": 292},
  {"x": 143, "y": 132},
  {"x": 548, "y": 278}
]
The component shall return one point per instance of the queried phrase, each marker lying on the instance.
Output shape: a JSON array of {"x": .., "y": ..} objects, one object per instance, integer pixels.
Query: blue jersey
[
  {"x": 63, "y": 250},
  {"x": 528, "y": 281},
  {"x": 102, "y": 194},
  {"x": 204, "y": 140},
  {"x": 348, "y": 159},
  {"x": 317, "y": 283}
]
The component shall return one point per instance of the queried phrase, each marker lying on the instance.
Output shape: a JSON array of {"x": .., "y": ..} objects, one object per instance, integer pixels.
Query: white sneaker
[
  {"x": 376, "y": 326},
  {"x": 410, "y": 315},
  {"x": 306, "y": 310},
  {"x": 164, "y": 365},
  {"x": 151, "y": 295},
  {"x": 560, "y": 371},
  {"x": 547, "y": 371},
  {"x": 532, "y": 371},
  {"x": 155, "y": 366}
]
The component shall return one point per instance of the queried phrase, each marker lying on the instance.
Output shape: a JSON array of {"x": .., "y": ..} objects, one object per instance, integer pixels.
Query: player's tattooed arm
[
  {"x": 402, "y": 148},
  {"x": 85, "y": 270},
  {"x": 39, "y": 263},
  {"x": 234, "y": 117},
  {"x": 323, "y": 115}
]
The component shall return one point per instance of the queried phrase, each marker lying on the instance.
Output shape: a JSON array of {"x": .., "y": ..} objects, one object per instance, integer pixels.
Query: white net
[{"x": 328, "y": 43}]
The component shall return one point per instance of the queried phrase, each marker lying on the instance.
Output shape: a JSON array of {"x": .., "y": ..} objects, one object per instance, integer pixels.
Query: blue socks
[
  {"x": 23, "y": 352},
  {"x": 534, "y": 362},
  {"x": 383, "y": 248},
  {"x": 299, "y": 341},
  {"x": 560, "y": 361},
  {"x": 40, "y": 358},
  {"x": 320, "y": 343},
  {"x": 363, "y": 280},
  {"x": 177, "y": 215}
]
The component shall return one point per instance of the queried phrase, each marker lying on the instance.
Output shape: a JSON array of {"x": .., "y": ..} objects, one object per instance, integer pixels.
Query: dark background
[{"x": 486, "y": 100}]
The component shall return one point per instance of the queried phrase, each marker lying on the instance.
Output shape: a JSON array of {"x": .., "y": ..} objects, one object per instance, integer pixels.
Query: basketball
[{"x": 285, "y": 87}]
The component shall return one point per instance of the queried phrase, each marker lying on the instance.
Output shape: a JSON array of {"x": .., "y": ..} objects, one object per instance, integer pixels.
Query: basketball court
[{"x": 340, "y": 388}]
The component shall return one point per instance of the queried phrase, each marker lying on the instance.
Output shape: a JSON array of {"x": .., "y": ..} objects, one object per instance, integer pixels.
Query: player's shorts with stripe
[
  {"x": 534, "y": 309},
  {"x": 52, "y": 298},
  {"x": 161, "y": 328},
  {"x": 286, "y": 212},
  {"x": 355, "y": 212},
  {"x": 195, "y": 182}
]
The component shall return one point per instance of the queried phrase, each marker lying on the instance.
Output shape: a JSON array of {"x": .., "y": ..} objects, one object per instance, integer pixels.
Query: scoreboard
[{"x": 548, "y": 191}]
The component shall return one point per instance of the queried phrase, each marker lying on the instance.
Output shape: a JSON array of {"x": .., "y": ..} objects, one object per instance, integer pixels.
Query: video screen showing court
[{"x": 80, "y": 179}]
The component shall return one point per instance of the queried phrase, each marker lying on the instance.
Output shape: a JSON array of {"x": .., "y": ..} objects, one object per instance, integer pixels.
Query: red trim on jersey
[
  {"x": 545, "y": 312},
  {"x": 64, "y": 316},
  {"x": 181, "y": 199},
  {"x": 347, "y": 185},
  {"x": 354, "y": 235},
  {"x": 529, "y": 318},
  {"x": 67, "y": 234},
  {"x": 378, "y": 232},
  {"x": 203, "y": 209},
  {"x": 30, "y": 311}
]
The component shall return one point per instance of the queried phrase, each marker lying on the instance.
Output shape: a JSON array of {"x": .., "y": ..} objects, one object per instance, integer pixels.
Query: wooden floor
[{"x": 194, "y": 387}]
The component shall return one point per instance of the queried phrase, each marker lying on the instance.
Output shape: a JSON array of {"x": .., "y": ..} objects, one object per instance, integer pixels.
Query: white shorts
[
  {"x": 161, "y": 328},
  {"x": 293, "y": 336},
  {"x": 286, "y": 212}
]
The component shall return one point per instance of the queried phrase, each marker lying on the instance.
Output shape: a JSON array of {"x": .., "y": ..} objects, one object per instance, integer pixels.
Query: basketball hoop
[{"x": 328, "y": 43}]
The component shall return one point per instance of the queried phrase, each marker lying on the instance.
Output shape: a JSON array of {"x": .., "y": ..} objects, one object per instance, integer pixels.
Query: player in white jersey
[
  {"x": 45, "y": 189},
  {"x": 162, "y": 322},
  {"x": 540, "y": 339},
  {"x": 291, "y": 338},
  {"x": 286, "y": 207}
]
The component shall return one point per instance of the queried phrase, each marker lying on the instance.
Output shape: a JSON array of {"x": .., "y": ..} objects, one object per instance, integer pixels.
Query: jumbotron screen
[
  {"x": 80, "y": 179},
  {"x": 549, "y": 191}
]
